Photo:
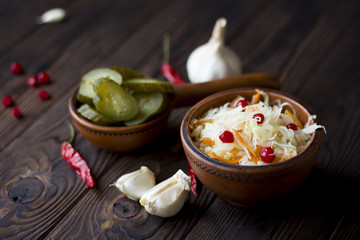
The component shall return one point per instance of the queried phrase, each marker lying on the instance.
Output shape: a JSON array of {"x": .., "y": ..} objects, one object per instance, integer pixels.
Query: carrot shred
[
  {"x": 294, "y": 118},
  {"x": 202, "y": 122},
  {"x": 249, "y": 152},
  {"x": 217, "y": 157},
  {"x": 255, "y": 98},
  {"x": 234, "y": 151},
  {"x": 208, "y": 141},
  {"x": 257, "y": 152},
  {"x": 233, "y": 102}
]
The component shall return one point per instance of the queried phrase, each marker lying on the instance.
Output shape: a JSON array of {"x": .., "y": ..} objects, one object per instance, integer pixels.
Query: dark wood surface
[{"x": 311, "y": 46}]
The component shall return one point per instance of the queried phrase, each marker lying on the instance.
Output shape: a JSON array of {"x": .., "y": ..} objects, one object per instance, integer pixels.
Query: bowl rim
[
  {"x": 186, "y": 139},
  {"x": 84, "y": 123}
]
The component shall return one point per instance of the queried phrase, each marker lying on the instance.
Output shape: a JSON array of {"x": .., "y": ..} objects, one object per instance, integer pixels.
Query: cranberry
[
  {"x": 242, "y": 102},
  {"x": 267, "y": 155},
  {"x": 16, "y": 113},
  {"x": 16, "y": 68},
  {"x": 33, "y": 81},
  {"x": 44, "y": 95},
  {"x": 227, "y": 137},
  {"x": 44, "y": 78},
  {"x": 7, "y": 101},
  {"x": 292, "y": 126},
  {"x": 259, "y": 117}
]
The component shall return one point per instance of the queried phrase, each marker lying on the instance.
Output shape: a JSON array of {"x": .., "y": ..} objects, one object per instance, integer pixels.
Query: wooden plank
[
  {"x": 321, "y": 209},
  {"x": 41, "y": 139},
  {"x": 267, "y": 41},
  {"x": 43, "y": 198},
  {"x": 86, "y": 51},
  {"x": 18, "y": 21},
  {"x": 143, "y": 226}
]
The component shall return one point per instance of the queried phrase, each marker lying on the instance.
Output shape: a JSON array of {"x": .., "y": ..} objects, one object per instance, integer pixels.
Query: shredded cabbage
[{"x": 272, "y": 132}]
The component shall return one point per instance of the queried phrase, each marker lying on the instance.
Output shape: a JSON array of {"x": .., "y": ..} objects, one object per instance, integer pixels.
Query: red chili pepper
[
  {"x": 191, "y": 174},
  {"x": 74, "y": 159},
  {"x": 167, "y": 70}
]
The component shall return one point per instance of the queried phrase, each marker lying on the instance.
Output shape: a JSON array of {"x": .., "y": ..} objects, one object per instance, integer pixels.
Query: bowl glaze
[
  {"x": 118, "y": 138},
  {"x": 248, "y": 185}
]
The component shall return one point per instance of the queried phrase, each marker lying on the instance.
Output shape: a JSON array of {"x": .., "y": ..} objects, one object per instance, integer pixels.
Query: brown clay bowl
[
  {"x": 126, "y": 139},
  {"x": 248, "y": 185}
]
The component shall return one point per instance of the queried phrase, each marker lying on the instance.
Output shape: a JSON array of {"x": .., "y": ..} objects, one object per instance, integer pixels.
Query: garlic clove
[
  {"x": 52, "y": 16},
  {"x": 168, "y": 197},
  {"x": 213, "y": 59},
  {"x": 136, "y": 183}
]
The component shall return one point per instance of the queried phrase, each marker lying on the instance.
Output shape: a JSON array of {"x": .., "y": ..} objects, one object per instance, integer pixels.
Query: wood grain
[{"x": 312, "y": 46}]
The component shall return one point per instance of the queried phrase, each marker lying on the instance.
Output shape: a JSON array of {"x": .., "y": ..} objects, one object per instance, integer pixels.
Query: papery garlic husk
[
  {"x": 213, "y": 60},
  {"x": 168, "y": 197},
  {"x": 136, "y": 183},
  {"x": 52, "y": 16}
]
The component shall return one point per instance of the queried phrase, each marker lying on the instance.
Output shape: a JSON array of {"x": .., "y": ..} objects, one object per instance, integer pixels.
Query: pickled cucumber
[
  {"x": 127, "y": 73},
  {"x": 148, "y": 85},
  {"x": 113, "y": 101},
  {"x": 86, "y": 92},
  {"x": 91, "y": 114},
  {"x": 150, "y": 104}
]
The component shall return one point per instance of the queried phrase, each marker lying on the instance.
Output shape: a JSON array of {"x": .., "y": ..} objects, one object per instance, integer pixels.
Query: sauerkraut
[{"x": 254, "y": 126}]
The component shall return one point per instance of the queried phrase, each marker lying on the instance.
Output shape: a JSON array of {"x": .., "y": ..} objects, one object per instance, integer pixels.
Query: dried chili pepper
[
  {"x": 74, "y": 159},
  {"x": 191, "y": 174},
  {"x": 167, "y": 70}
]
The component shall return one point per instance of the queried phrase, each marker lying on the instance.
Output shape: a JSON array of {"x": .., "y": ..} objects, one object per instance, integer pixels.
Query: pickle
[
  {"x": 113, "y": 101},
  {"x": 91, "y": 114},
  {"x": 148, "y": 85},
  {"x": 128, "y": 73},
  {"x": 86, "y": 92},
  {"x": 149, "y": 104}
]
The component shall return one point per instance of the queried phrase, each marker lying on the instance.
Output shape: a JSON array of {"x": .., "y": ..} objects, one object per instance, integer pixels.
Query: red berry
[
  {"x": 292, "y": 126},
  {"x": 16, "y": 113},
  {"x": 242, "y": 102},
  {"x": 44, "y": 95},
  {"x": 16, "y": 68},
  {"x": 227, "y": 137},
  {"x": 7, "y": 101},
  {"x": 44, "y": 78},
  {"x": 259, "y": 117},
  {"x": 267, "y": 155},
  {"x": 33, "y": 81}
]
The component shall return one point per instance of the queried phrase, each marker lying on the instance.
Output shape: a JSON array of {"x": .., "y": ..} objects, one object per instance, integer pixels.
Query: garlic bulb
[
  {"x": 168, "y": 197},
  {"x": 213, "y": 60},
  {"x": 136, "y": 183},
  {"x": 52, "y": 16}
]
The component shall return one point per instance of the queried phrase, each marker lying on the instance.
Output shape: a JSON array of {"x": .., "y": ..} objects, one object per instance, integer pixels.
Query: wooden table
[{"x": 311, "y": 46}]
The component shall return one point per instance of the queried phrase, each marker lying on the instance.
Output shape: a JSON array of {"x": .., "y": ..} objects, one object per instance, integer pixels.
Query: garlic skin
[
  {"x": 136, "y": 183},
  {"x": 168, "y": 197},
  {"x": 52, "y": 16},
  {"x": 213, "y": 59}
]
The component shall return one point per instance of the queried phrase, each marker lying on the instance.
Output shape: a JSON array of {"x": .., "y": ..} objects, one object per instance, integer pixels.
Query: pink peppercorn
[
  {"x": 267, "y": 154},
  {"x": 227, "y": 137},
  {"x": 16, "y": 68},
  {"x": 33, "y": 81},
  {"x": 16, "y": 113},
  {"x": 44, "y": 95},
  {"x": 7, "y": 101},
  {"x": 44, "y": 77}
]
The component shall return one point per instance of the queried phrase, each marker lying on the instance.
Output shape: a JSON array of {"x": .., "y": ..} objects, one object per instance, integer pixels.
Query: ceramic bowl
[
  {"x": 118, "y": 138},
  {"x": 248, "y": 185}
]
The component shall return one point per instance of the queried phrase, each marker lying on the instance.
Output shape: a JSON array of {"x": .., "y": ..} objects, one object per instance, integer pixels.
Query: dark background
[{"x": 311, "y": 46}]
